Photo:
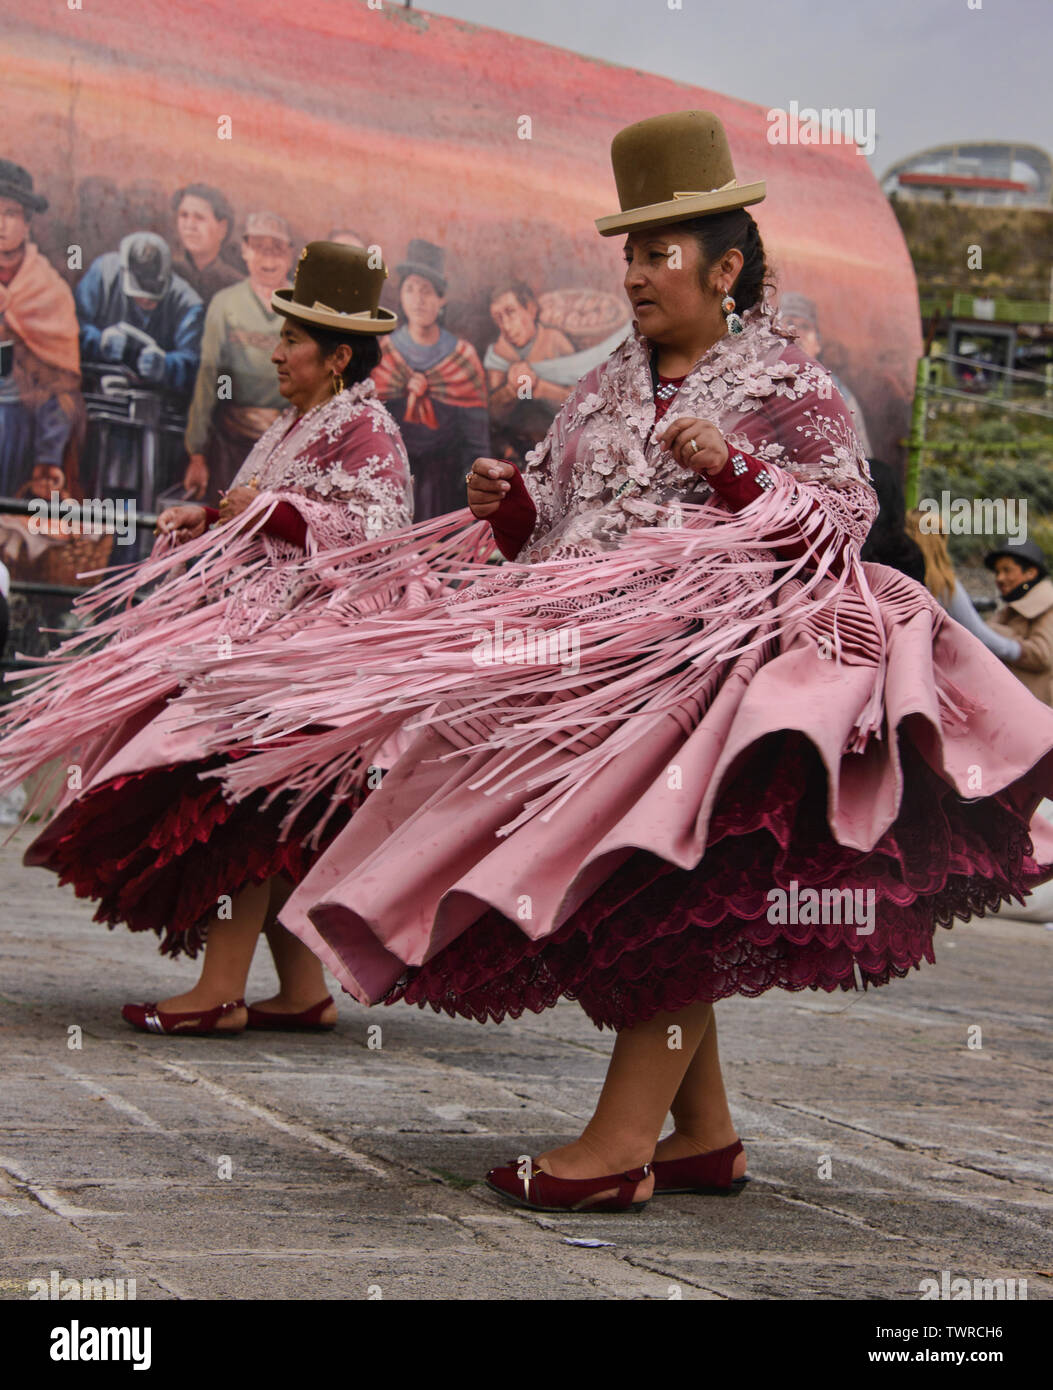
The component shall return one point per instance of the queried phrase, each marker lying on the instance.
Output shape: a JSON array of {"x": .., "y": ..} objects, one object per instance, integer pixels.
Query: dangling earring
[
  {"x": 733, "y": 321},
  {"x": 336, "y": 384}
]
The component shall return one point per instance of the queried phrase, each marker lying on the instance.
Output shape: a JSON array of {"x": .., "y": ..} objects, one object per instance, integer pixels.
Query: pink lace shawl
[
  {"x": 600, "y": 471},
  {"x": 343, "y": 467}
]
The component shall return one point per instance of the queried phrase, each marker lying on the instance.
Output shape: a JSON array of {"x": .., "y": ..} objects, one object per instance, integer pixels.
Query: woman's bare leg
[
  {"x": 229, "y": 948},
  {"x": 301, "y": 979},
  {"x": 701, "y": 1118},
  {"x": 643, "y": 1079}
]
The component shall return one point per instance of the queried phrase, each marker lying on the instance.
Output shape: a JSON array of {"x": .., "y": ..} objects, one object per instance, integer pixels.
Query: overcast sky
[{"x": 932, "y": 70}]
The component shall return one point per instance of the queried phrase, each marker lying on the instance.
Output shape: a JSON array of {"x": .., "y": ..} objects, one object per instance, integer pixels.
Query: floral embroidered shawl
[
  {"x": 600, "y": 471},
  {"x": 344, "y": 468}
]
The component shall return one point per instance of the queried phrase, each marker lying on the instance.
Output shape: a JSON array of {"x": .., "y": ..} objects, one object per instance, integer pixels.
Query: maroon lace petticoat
[
  {"x": 655, "y": 938},
  {"x": 159, "y": 849}
]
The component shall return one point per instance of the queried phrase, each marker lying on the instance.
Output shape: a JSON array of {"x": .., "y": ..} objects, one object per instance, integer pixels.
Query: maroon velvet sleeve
[
  {"x": 286, "y": 524},
  {"x": 742, "y": 480},
  {"x": 515, "y": 518},
  {"x": 212, "y": 514}
]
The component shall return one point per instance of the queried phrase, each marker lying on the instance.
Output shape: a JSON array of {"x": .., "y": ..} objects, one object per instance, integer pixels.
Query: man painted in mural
[
  {"x": 524, "y": 363},
  {"x": 136, "y": 312},
  {"x": 799, "y": 312},
  {"x": 41, "y": 412},
  {"x": 137, "y": 315},
  {"x": 204, "y": 221},
  {"x": 546, "y": 345},
  {"x": 236, "y": 394},
  {"x": 432, "y": 383}
]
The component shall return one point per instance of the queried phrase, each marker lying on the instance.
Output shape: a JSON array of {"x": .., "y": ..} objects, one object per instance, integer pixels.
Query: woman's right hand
[
  {"x": 487, "y": 487},
  {"x": 185, "y": 522}
]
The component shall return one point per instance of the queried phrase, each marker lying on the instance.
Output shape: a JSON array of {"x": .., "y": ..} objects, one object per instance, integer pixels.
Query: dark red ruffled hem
[
  {"x": 160, "y": 849},
  {"x": 654, "y": 938}
]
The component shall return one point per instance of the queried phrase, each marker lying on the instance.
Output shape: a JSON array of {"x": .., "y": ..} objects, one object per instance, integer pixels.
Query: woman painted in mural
[
  {"x": 433, "y": 384},
  {"x": 41, "y": 413}
]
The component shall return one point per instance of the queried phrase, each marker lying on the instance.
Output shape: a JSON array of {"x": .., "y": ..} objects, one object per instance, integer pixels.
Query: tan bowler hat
[
  {"x": 336, "y": 288},
  {"x": 671, "y": 168}
]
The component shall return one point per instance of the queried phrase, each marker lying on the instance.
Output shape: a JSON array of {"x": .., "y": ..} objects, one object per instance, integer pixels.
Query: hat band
[
  {"x": 343, "y": 313},
  {"x": 701, "y": 192}
]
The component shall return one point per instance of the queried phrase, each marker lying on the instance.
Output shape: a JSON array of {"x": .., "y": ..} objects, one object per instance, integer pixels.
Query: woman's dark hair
[
  {"x": 722, "y": 231},
  {"x": 365, "y": 350},
  {"x": 888, "y": 542}
]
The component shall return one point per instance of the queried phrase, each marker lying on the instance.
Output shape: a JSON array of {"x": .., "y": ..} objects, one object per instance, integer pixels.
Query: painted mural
[{"x": 163, "y": 164}]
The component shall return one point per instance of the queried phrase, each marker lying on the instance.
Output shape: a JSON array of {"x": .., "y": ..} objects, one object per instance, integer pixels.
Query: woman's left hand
[
  {"x": 234, "y": 502},
  {"x": 696, "y": 444}
]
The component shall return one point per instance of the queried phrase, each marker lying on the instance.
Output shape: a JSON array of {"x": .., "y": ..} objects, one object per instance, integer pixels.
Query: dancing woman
[
  {"x": 140, "y": 831},
  {"x": 686, "y": 744}
]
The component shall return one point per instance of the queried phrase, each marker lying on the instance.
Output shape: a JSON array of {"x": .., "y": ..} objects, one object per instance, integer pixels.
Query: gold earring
[{"x": 336, "y": 384}]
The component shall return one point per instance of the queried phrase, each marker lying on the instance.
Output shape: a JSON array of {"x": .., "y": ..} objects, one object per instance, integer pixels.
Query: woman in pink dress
[
  {"x": 140, "y": 829},
  {"x": 686, "y": 744}
]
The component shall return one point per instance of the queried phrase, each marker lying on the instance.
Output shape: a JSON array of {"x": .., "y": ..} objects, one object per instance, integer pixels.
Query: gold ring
[
  {"x": 468, "y": 478},
  {"x": 694, "y": 447}
]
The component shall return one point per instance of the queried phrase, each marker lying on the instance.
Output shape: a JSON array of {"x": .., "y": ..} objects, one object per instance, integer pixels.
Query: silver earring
[{"x": 733, "y": 321}]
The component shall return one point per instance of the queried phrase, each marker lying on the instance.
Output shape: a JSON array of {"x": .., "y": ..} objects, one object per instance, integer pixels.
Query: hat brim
[
  {"x": 681, "y": 209},
  {"x": 32, "y": 202},
  {"x": 384, "y": 322}
]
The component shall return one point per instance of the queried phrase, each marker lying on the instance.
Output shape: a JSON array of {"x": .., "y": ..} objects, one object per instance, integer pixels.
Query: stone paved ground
[{"x": 353, "y": 1168}]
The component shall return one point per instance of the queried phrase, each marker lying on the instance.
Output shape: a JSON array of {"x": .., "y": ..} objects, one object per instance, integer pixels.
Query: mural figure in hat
[
  {"x": 41, "y": 411},
  {"x": 241, "y": 330},
  {"x": 433, "y": 384},
  {"x": 141, "y": 319}
]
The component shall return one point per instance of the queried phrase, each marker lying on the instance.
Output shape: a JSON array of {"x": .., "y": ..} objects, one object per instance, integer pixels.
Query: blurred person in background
[
  {"x": 941, "y": 582},
  {"x": 1023, "y": 581}
]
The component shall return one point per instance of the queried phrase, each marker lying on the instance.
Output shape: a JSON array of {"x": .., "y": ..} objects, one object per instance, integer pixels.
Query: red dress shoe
[
  {"x": 542, "y": 1191},
  {"x": 708, "y": 1173},
  {"x": 308, "y": 1021},
  {"x": 148, "y": 1018}
]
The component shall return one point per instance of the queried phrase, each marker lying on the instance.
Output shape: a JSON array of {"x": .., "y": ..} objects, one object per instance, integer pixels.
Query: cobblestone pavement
[{"x": 884, "y": 1149}]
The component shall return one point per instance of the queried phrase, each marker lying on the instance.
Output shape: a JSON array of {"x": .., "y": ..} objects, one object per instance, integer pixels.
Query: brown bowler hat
[
  {"x": 672, "y": 168},
  {"x": 336, "y": 288}
]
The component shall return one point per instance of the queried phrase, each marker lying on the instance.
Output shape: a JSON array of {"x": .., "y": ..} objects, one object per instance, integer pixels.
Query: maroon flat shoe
[
  {"x": 307, "y": 1021},
  {"x": 148, "y": 1018},
  {"x": 708, "y": 1173},
  {"x": 542, "y": 1191}
]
